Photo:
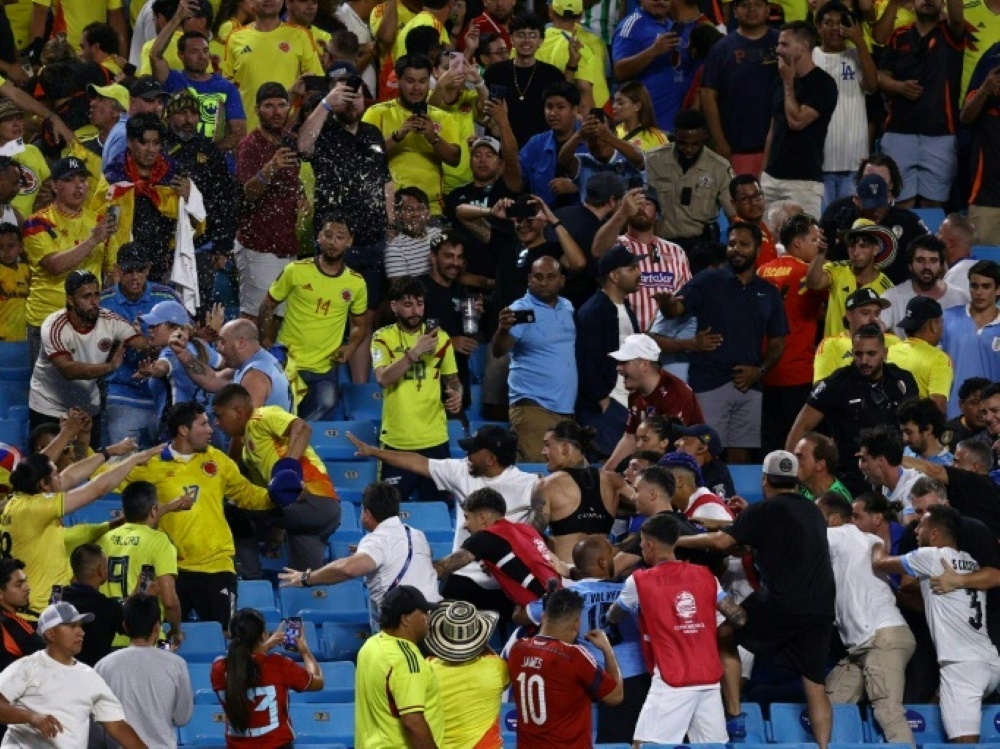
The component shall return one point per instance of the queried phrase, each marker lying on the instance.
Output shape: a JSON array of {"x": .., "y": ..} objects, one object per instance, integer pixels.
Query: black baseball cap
[
  {"x": 617, "y": 257},
  {"x": 919, "y": 310},
  {"x": 132, "y": 256},
  {"x": 866, "y": 295},
  {"x": 67, "y": 167},
  {"x": 497, "y": 440},
  {"x": 148, "y": 88},
  {"x": 79, "y": 278},
  {"x": 271, "y": 90},
  {"x": 403, "y": 600}
]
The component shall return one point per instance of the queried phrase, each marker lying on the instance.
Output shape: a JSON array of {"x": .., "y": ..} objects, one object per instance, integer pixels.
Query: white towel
[{"x": 185, "y": 271}]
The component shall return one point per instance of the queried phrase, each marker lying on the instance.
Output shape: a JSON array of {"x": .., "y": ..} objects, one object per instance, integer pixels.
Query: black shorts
[{"x": 800, "y": 643}]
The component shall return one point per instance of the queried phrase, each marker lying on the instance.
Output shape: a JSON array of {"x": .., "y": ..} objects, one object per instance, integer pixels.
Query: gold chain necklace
[{"x": 527, "y": 85}]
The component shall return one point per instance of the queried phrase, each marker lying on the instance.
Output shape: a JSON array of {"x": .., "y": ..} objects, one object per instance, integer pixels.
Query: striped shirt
[
  {"x": 601, "y": 18},
  {"x": 664, "y": 269},
  {"x": 847, "y": 136},
  {"x": 409, "y": 256}
]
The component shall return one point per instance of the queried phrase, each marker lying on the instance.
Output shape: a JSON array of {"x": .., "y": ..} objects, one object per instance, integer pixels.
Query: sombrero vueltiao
[
  {"x": 885, "y": 236},
  {"x": 458, "y": 632}
]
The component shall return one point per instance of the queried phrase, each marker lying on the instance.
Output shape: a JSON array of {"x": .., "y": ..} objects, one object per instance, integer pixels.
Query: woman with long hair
[
  {"x": 232, "y": 16},
  {"x": 253, "y": 684},
  {"x": 636, "y": 119}
]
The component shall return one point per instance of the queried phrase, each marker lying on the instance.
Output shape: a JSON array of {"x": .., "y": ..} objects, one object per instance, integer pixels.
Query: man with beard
[
  {"x": 80, "y": 345},
  {"x": 970, "y": 332},
  {"x": 199, "y": 158},
  {"x": 868, "y": 245},
  {"x": 494, "y": 20},
  {"x": 727, "y": 379},
  {"x": 862, "y": 307},
  {"x": 320, "y": 294},
  {"x": 862, "y": 395},
  {"x": 418, "y": 138},
  {"x": 927, "y": 262},
  {"x": 267, "y": 165},
  {"x": 415, "y": 366},
  {"x": 971, "y": 419},
  {"x": 352, "y": 179},
  {"x": 219, "y": 101},
  {"x": 921, "y": 76}
]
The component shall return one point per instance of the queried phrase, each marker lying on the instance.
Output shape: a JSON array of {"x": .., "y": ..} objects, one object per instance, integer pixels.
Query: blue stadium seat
[
  {"x": 257, "y": 594},
  {"x": 322, "y": 723},
  {"x": 756, "y": 727},
  {"x": 4, "y": 402},
  {"x": 508, "y": 722},
  {"x": 723, "y": 221},
  {"x": 986, "y": 252},
  {"x": 989, "y": 730},
  {"x": 203, "y": 642},
  {"x": 350, "y": 478},
  {"x": 338, "y": 685},
  {"x": 541, "y": 468},
  {"x": 11, "y": 432},
  {"x": 341, "y": 642},
  {"x": 746, "y": 479},
  {"x": 329, "y": 438},
  {"x": 790, "y": 723},
  {"x": 932, "y": 218},
  {"x": 456, "y": 431},
  {"x": 924, "y": 720},
  {"x": 441, "y": 549},
  {"x": 672, "y": 746},
  {"x": 207, "y": 727},
  {"x": 475, "y": 409},
  {"x": 344, "y": 603},
  {"x": 477, "y": 364},
  {"x": 15, "y": 393},
  {"x": 201, "y": 683},
  {"x": 14, "y": 351},
  {"x": 363, "y": 401},
  {"x": 15, "y": 372},
  {"x": 836, "y": 745},
  {"x": 430, "y": 517},
  {"x": 99, "y": 511},
  {"x": 348, "y": 517},
  {"x": 18, "y": 413}
]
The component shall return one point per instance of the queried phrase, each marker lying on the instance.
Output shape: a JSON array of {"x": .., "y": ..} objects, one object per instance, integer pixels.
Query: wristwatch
[{"x": 304, "y": 578}]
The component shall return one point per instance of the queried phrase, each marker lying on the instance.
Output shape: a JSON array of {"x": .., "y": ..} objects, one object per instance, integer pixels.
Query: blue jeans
[
  {"x": 321, "y": 397},
  {"x": 141, "y": 424},
  {"x": 837, "y": 185}
]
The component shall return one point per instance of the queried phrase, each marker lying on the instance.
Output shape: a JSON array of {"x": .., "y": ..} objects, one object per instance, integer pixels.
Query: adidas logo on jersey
[
  {"x": 307, "y": 287},
  {"x": 246, "y": 50}
]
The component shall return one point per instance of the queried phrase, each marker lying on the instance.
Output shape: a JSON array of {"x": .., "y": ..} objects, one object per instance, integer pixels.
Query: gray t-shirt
[{"x": 154, "y": 688}]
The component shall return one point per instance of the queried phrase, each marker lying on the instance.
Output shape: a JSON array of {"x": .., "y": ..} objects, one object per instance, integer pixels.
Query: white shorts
[
  {"x": 258, "y": 270},
  {"x": 963, "y": 685},
  {"x": 669, "y": 714}
]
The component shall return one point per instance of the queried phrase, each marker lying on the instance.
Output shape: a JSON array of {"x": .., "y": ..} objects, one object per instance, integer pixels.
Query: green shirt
[{"x": 837, "y": 486}]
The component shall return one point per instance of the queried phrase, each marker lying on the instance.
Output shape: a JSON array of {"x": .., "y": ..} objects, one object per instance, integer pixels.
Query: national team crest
[
  {"x": 284, "y": 47},
  {"x": 346, "y": 295},
  {"x": 104, "y": 345},
  {"x": 685, "y": 605},
  {"x": 210, "y": 468}
]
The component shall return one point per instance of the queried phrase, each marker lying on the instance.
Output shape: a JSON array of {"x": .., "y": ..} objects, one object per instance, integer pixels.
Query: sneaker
[{"x": 736, "y": 726}]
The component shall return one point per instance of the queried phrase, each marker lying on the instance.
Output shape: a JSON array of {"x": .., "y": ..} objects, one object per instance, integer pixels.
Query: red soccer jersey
[
  {"x": 802, "y": 306},
  {"x": 671, "y": 397},
  {"x": 554, "y": 684},
  {"x": 269, "y": 724}
]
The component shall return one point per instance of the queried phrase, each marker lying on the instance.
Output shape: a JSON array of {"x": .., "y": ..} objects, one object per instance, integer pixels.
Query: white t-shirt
[
  {"x": 898, "y": 297},
  {"x": 51, "y": 393},
  {"x": 958, "y": 274},
  {"x": 847, "y": 136},
  {"x": 957, "y": 620},
  {"x": 513, "y": 484},
  {"x": 388, "y": 547},
  {"x": 865, "y": 603},
  {"x": 907, "y": 478},
  {"x": 619, "y": 394},
  {"x": 71, "y": 694},
  {"x": 354, "y": 23}
]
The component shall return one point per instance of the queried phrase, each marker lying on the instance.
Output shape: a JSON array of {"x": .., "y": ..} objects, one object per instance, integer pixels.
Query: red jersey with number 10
[{"x": 554, "y": 684}]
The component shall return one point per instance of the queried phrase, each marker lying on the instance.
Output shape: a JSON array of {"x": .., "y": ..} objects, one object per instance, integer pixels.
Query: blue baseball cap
[{"x": 169, "y": 311}]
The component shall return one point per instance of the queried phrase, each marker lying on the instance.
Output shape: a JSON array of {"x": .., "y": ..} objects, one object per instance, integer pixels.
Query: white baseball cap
[
  {"x": 637, "y": 346},
  {"x": 60, "y": 613}
]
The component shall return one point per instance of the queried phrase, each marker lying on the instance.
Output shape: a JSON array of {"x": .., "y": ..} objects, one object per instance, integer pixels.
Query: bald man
[{"x": 247, "y": 364}]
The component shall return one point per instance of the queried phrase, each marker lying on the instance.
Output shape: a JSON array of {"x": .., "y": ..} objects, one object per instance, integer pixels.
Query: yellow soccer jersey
[
  {"x": 413, "y": 163},
  {"x": 403, "y": 16},
  {"x": 555, "y": 51},
  {"x": 254, "y": 58},
  {"x": 34, "y": 171},
  {"x": 474, "y": 690},
  {"x": 413, "y": 417},
  {"x": 316, "y": 310},
  {"x": 984, "y": 26},
  {"x": 19, "y": 16},
  {"x": 31, "y": 530},
  {"x": 834, "y": 352},
  {"x": 844, "y": 284},
  {"x": 13, "y": 298},
  {"x": 645, "y": 140},
  {"x": 81, "y": 13},
  {"x": 463, "y": 112},
  {"x": 423, "y": 18},
  {"x": 930, "y": 366},
  {"x": 393, "y": 679},
  {"x": 202, "y": 536},
  {"x": 264, "y": 442},
  {"x": 49, "y": 231}
]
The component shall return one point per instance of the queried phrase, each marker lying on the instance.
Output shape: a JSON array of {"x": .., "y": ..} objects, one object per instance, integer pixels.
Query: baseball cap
[
  {"x": 567, "y": 7},
  {"x": 653, "y": 197},
  {"x": 68, "y": 167},
  {"x": 637, "y": 346},
  {"x": 405, "y": 599},
  {"x": 885, "y": 236},
  {"x": 866, "y": 295},
  {"x": 115, "y": 91},
  {"x": 60, "y": 613},
  {"x": 873, "y": 192},
  {"x": 919, "y": 310},
  {"x": 604, "y": 186},
  {"x": 683, "y": 460},
  {"x": 496, "y": 439},
  {"x": 79, "y": 278},
  {"x": 132, "y": 256},
  {"x": 167, "y": 311},
  {"x": 9, "y": 109},
  {"x": 489, "y": 142},
  {"x": 182, "y": 100},
  {"x": 147, "y": 88},
  {"x": 781, "y": 464},
  {"x": 271, "y": 90},
  {"x": 615, "y": 258},
  {"x": 703, "y": 432},
  {"x": 341, "y": 70}
]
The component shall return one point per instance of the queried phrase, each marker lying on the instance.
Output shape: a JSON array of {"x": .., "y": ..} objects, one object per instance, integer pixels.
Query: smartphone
[
  {"x": 293, "y": 628},
  {"x": 114, "y": 213},
  {"x": 846, "y": 21},
  {"x": 522, "y": 209},
  {"x": 56, "y": 596},
  {"x": 523, "y": 316},
  {"x": 686, "y": 194},
  {"x": 457, "y": 62},
  {"x": 163, "y": 644},
  {"x": 356, "y": 82},
  {"x": 432, "y": 324},
  {"x": 636, "y": 182},
  {"x": 419, "y": 109},
  {"x": 146, "y": 577},
  {"x": 598, "y": 113},
  {"x": 498, "y": 91},
  {"x": 316, "y": 83}
]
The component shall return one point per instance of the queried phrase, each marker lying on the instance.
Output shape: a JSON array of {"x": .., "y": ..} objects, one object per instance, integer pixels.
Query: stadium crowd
[{"x": 683, "y": 315}]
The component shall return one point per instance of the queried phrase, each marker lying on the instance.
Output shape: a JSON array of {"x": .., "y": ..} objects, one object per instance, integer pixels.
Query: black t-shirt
[
  {"x": 513, "y": 268},
  {"x": 711, "y": 559},
  {"x": 841, "y": 214},
  {"x": 788, "y": 536},
  {"x": 480, "y": 257},
  {"x": 798, "y": 154},
  {"x": 351, "y": 172},
  {"x": 582, "y": 225},
  {"x": 717, "y": 478},
  {"x": 525, "y": 86},
  {"x": 100, "y": 633},
  {"x": 975, "y": 496},
  {"x": 985, "y": 162},
  {"x": 491, "y": 548},
  {"x": 443, "y": 303}
]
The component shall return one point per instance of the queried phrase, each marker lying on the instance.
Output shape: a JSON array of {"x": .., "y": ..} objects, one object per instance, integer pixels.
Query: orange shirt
[{"x": 802, "y": 307}]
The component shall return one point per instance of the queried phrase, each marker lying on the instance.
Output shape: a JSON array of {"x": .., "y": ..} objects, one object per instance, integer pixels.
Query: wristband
[
  {"x": 556, "y": 225},
  {"x": 262, "y": 179},
  {"x": 104, "y": 452},
  {"x": 304, "y": 578},
  {"x": 326, "y": 105}
]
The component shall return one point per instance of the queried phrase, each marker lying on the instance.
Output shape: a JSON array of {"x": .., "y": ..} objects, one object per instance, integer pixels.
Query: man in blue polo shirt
[
  {"x": 745, "y": 310},
  {"x": 539, "y": 157},
  {"x": 543, "y": 378},
  {"x": 131, "y": 410}
]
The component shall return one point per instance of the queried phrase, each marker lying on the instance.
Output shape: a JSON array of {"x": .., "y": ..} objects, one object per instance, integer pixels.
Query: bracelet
[
  {"x": 572, "y": 68},
  {"x": 326, "y": 105},
  {"x": 304, "y": 578},
  {"x": 104, "y": 452},
  {"x": 556, "y": 225},
  {"x": 395, "y": 136},
  {"x": 262, "y": 179}
]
